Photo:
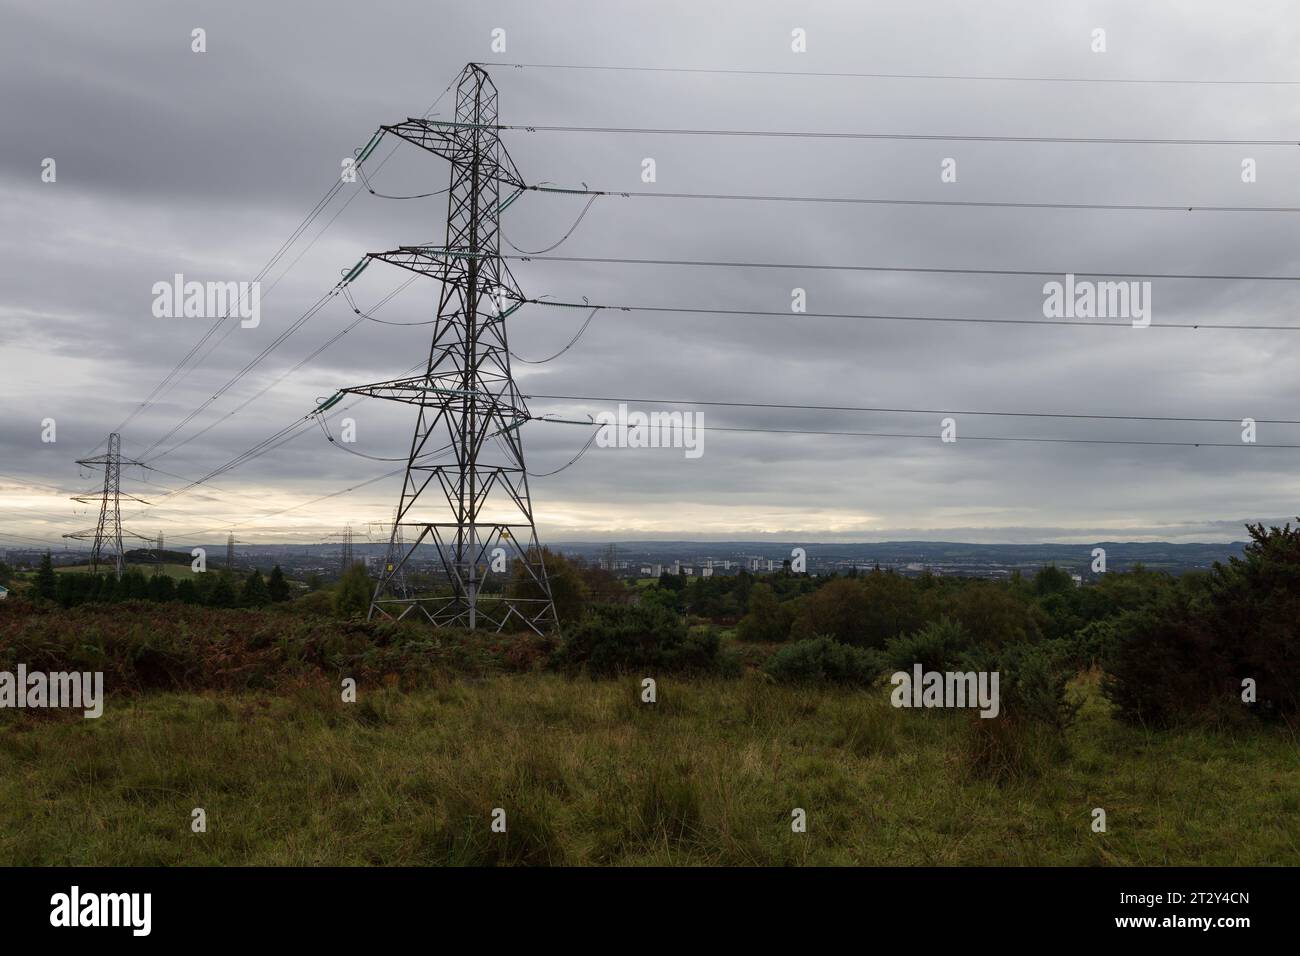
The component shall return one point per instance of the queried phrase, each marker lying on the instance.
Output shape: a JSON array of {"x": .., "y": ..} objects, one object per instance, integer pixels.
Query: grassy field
[{"x": 588, "y": 774}]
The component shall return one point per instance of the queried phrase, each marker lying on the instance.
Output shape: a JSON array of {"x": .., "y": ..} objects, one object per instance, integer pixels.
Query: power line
[
  {"x": 170, "y": 377},
  {"x": 272, "y": 514},
  {"x": 873, "y": 201},
  {"x": 963, "y": 77},
  {"x": 336, "y": 337},
  {"x": 320, "y": 206},
  {"x": 931, "y": 270},
  {"x": 787, "y": 406},
  {"x": 932, "y": 437},
  {"x": 571, "y": 343},
  {"x": 1093, "y": 323},
  {"x": 916, "y": 137},
  {"x": 27, "y": 537},
  {"x": 290, "y": 432},
  {"x": 248, "y": 367}
]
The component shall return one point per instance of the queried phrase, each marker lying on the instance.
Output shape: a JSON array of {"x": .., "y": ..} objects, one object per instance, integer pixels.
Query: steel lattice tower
[
  {"x": 107, "y": 534},
  {"x": 396, "y": 547},
  {"x": 345, "y": 559},
  {"x": 469, "y": 405}
]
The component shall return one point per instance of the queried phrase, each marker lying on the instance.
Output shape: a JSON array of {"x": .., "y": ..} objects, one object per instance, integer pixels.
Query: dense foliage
[{"x": 1212, "y": 645}]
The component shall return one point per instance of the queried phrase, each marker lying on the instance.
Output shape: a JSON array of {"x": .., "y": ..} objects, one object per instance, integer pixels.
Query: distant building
[{"x": 4, "y": 592}]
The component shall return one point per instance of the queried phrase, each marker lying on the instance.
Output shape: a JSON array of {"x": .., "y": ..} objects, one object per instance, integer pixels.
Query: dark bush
[
  {"x": 1166, "y": 666},
  {"x": 934, "y": 646},
  {"x": 616, "y": 639},
  {"x": 864, "y": 611},
  {"x": 767, "y": 620},
  {"x": 1255, "y": 602},
  {"x": 823, "y": 661}
]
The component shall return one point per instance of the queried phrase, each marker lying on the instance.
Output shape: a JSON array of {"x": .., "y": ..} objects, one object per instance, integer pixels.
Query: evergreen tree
[
  {"x": 161, "y": 588},
  {"x": 277, "y": 585},
  {"x": 255, "y": 592},
  {"x": 352, "y": 596},
  {"x": 187, "y": 591},
  {"x": 46, "y": 582},
  {"x": 223, "y": 592},
  {"x": 133, "y": 586}
]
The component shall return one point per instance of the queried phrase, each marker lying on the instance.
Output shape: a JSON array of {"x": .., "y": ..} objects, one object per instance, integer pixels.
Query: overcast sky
[{"x": 171, "y": 161}]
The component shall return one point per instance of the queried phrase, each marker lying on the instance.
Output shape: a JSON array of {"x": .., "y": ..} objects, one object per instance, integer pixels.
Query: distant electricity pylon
[
  {"x": 469, "y": 406},
  {"x": 346, "y": 560},
  {"x": 346, "y": 557},
  {"x": 107, "y": 534},
  {"x": 396, "y": 546}
]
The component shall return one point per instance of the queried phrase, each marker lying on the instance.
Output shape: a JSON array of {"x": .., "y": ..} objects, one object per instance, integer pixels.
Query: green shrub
[
  {"x": 823, "y": 661},
  {"x": 1254, "y": 602},
  {"x": 994, "y": 615},
  {"x": 862, "y": 611},
  {"x": 767, "y": 620},
  {"x": 352, "y": 596},
  {"x": 934, "y": 646},
  {"x": 1033, "y": 679},
  {"x": 617, "y": 639},
  {"x": 1166, "y": 666},
  {"x": 1094, "y": 643}
]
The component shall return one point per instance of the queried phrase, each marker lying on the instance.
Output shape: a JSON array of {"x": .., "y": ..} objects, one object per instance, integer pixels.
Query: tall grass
[{"x": 587, "y": 774}]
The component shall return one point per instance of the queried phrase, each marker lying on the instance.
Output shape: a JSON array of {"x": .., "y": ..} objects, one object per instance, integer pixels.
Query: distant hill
[{"x": 154, "y": 556}]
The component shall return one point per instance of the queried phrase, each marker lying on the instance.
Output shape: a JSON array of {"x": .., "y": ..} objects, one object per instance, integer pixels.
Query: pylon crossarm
[
  {"x": 433, "y": 260},
  {"x": 418, "y": 392},
  {"x": 446, "y": 139},
  {"x": 87, "y": 499}
]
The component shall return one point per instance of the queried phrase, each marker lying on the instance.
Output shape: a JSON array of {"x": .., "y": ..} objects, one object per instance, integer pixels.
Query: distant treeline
[
  {"x": 1222, "y": 645},
  {"x": 217, "y": 589},
  {"x": 1171, "y": 647}
]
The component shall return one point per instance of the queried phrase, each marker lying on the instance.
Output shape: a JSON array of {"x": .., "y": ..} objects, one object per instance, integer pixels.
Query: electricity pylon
[
  {"x": 396, "y": 546},
  {"x": 107, "y": 534},
  {"x": 469, "y": 405},
  {"x": 346, "y": 559}
]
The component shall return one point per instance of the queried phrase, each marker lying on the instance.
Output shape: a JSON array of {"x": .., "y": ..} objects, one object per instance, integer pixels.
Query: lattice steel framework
[
  {"x": 469, "y": 406},
  {"x": 346, "y": 560},
  {"x": 107, "y": 534}
]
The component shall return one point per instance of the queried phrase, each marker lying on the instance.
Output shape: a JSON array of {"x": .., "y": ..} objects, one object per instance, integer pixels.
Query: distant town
[{"x": 652, "y": 559}]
